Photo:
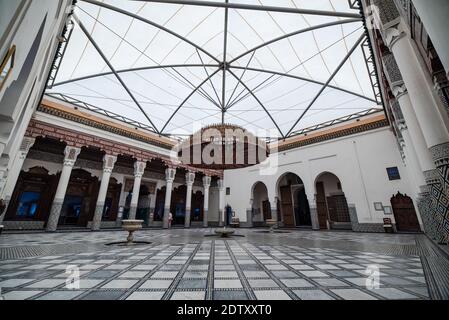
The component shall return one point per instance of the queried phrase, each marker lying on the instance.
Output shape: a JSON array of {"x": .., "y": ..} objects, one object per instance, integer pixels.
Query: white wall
[
  {"x": 359, "y": 161},
  {"x": 34, "y": 29}
]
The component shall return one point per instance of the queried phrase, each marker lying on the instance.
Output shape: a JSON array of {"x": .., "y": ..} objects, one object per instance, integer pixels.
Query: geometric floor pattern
[{"x": 185, "y": 265}]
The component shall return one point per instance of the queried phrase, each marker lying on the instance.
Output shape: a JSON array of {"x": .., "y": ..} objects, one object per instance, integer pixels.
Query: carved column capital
[
  {"x": 206, "y": 182},
  {"x": 170, "y": 174},
  {"x": 25, "y": 147},
  {"x": 139, "y": 169},
  {"x": 221, "y": 184},
  {"x": 109, "y": 163},
  {"x": 389, "y": 21},
  {"x": 70, "y": 155},
  {"x": 440, "y": 154},
  {"x": 190, "y": 178},
  {"x": 431, "y": 177}
]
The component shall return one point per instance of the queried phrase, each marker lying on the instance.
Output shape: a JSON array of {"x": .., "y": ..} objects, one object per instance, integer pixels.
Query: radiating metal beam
[
  {"x": 187, "y": 99},
  {"x": 258, "y": 101},
  {"x": 201, "y": 91},
  {"x": 154, "y": 24},
  {"x": 287, "y": 75},
  {"x": 243, "y": 6},
  {"x": 350, "y": 52},
  {"x": 210, "y": 80},
  {"x": 170, "y": 66},
  {"x": 291, "y": 34},
  {"x": 100, "y": 52},
  {"x": 241, "y": 77},
  {"x": 225, "y": 49}
]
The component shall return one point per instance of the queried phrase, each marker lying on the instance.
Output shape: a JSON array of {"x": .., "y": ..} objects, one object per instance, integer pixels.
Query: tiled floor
[{"x": 183, "y": 264}]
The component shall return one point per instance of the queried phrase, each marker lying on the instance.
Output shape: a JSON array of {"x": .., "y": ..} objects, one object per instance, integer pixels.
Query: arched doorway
[
  {"x": 197, "y": 209},
  {"x": 160, "y": 203},
  {"x": 404, "y": 213},
  {"x": 261, "y": 209},
  {"x": 32, "y": 196},
  {"x": 178, "y": 205},
  {"x": 332, "y": 207},
  {"x": 143, "y": 204},
  {"x": 112, "y": 200},
  {"x": 80, "y": 199},
  {"x": 293, "y": 202}
]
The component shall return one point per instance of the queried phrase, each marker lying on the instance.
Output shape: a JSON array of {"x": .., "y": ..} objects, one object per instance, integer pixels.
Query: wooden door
[
  {"x": 266, "y": 208},
  {"x": 404, "y": 213},
  {"x": 287, "y": 206},
  {"x": 321, "y": 205}
]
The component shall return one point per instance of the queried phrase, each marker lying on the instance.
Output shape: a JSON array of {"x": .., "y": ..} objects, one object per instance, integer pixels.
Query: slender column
[
  {"x": 274, "y": 211},
  {"x": 70, "y": 156},
  {"x": 108, "y": 166},
  {"x": 152, "y": 200},
  {"x": 221, "y": 201},
  {"x": 434, "y": 18},
  {"x": 139, "y": 169},
  {"x": 403, "y": 109},
  {"x": 411, "y": 158},
  {"x": 426, "y": 104},
  {"x": 428, "y": 108},
  {"x": 190, "y": 179},
  {"x": 14, "y": 172},
  {"x": 170, "y": 174},
  {"x": 206, "y": 186},
  {"x": 249, "y": 213}
]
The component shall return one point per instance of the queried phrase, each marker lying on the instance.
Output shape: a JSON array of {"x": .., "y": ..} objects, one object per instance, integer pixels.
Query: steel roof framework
[{"x": 225, "y": 66}]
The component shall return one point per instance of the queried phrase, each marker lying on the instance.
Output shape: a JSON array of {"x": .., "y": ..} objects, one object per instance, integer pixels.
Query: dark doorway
[
  {"x": 293, "y": 202},
  {"x": 197, "y": 208},
  {"x": 266, "y": 207},
  {"x": 302, "y": 209},
  {"x": 321, "y": 205},
  {"x": 178, "y": 205},
  {"x": 80, "y": 200},
  {"x": 32, "y": 196},
  {"x": 160, "y": 203}
]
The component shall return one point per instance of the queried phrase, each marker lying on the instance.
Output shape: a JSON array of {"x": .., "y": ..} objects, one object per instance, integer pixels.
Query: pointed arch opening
[{"x": 332, "y": 206}]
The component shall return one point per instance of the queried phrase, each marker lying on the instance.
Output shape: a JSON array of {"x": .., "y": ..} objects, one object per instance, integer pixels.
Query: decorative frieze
[
  {"x": 440, "y": 154},
  {"x": 431, "y": 177}
]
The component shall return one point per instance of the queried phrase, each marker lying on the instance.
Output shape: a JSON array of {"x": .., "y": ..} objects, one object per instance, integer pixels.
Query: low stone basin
[
  {"x": 131, "y": 226},
  {"x": 224, "y": 232}
]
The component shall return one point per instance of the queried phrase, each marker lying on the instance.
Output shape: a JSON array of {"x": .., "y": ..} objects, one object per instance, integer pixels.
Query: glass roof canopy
[{"x": 271, "y": 66}]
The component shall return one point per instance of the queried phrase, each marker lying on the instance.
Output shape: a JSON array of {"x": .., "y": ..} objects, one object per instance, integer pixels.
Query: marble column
[
  {"x": 249, "y": 214},
  {"x": 139, "y": 169},
  {"x": 170, "y": 174},
  {"x": 221, "y": 202},
  {"x": 122, "y": 202},
  {"x": 206, "y": 185},
  {"x": 274, "y": 211},
  {"x": 427, "y": 106},
  {"x": 434, "y": 17},
  {"x": 14, "y": 172},
  {"x": 108, "y": 166},
  {"x": 190, "y": 179},
  {"x": 70, "y": 156}
]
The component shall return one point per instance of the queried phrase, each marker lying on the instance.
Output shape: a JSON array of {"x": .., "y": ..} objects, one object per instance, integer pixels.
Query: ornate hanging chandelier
[{"x": 223, "y": 147}]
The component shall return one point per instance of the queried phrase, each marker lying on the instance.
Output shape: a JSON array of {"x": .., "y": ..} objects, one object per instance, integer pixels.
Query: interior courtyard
[{"x": 224, "y": 150}]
